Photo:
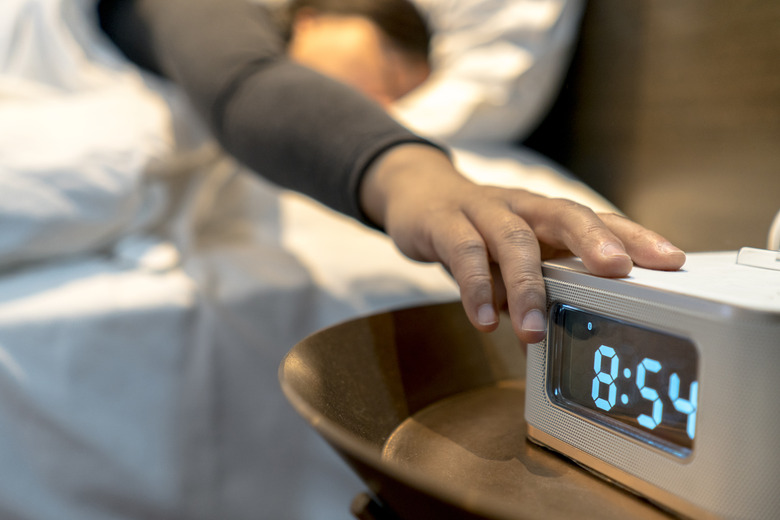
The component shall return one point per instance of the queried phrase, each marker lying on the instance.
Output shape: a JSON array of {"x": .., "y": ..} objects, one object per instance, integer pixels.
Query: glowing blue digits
[
  {"x": 648, "y": 393},
  {"x": 608, "y": 376},
  {"x": 686, "y": 406},
  {"x": 603, "y": 377}
]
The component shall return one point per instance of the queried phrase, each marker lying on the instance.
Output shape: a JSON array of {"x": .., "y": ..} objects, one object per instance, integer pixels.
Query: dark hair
[{"x": 398, "y": 19}]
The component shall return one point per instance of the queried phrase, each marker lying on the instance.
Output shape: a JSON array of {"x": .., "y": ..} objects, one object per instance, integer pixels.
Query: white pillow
[{"x": 497, "y": 67}]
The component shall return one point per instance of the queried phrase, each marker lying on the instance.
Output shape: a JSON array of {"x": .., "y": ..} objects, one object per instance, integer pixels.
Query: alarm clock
[{"x": 666, "y": 383}]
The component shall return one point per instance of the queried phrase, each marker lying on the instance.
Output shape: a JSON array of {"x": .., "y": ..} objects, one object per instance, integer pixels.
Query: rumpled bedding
[{"x": 149, "y": 288}]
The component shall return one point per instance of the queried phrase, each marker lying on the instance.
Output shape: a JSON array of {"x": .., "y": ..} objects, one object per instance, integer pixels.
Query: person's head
[{"x": 378, "y": 46}]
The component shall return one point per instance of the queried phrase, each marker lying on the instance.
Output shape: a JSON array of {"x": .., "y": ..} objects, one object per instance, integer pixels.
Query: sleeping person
[
  {"x": 315, "y": 133},
  {"x": 150, "y": 284}
]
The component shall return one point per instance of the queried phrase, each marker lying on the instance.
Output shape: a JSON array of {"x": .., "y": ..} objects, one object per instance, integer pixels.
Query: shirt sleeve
[{"x": 286, "y": 122}]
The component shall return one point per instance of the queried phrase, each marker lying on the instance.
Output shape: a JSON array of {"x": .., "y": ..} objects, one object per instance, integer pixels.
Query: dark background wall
[{"x": 672, "y": 110}]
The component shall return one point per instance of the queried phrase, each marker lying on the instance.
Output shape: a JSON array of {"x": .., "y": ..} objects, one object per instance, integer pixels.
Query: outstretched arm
[
  {"x": 294, "y": 126},
  {"x": 313, "y": 134}
]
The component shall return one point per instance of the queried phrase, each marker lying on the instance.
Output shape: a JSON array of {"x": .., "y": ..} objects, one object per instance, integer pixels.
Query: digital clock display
[{"x": 633, "y": 379}]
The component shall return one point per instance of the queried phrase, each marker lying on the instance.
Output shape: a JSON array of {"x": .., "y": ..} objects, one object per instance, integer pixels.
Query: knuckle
[
  {"x": 611, "y": 215},
  {"x": 567, "y": 204},
  {"x": 592, "y": 230},
  {"x": 515, "y": 232},
  {"x": 561, "y": 214},
  {"x": 525, "y": 282},
  {"x": 475, "y": 282},
  {"x": 469, "y": 247},
  {"x": 566, "y": 208}
]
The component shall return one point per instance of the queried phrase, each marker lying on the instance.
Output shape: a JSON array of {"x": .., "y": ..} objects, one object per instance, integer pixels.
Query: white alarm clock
[{"x": 667, "y": 383}]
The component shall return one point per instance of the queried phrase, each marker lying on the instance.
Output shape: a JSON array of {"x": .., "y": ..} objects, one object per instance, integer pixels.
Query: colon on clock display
[{"x": 638, "y": 381}]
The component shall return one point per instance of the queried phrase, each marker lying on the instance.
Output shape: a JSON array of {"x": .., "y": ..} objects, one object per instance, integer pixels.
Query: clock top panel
[{"x": 716, "y": 277}]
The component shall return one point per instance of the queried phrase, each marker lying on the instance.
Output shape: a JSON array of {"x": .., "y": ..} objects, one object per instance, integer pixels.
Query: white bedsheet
[{"x": 149, "y": 289}]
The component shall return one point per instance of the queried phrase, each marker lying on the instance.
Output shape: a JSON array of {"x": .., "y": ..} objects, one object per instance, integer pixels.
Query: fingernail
[
  {"x": 534, "y": 321},
  {"x": 486, "y": 315},
  {"x": 669, "y": 249},
  {"x": 613, "y": 250}
]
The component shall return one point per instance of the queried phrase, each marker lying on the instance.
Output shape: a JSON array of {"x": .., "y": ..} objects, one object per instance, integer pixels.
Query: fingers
[
  {"x": 512, "y": 244},
  {"x": 608, "y": 244},
  {"x": 566, "y": 225},
  {"x": 461, "y": 248},
  {"x": 646, "y": 248},
  {"x": 496, "y": 232}
]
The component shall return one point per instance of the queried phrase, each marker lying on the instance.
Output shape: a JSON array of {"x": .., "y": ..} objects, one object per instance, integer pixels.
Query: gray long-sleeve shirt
[{"x": 288, "y": 123}]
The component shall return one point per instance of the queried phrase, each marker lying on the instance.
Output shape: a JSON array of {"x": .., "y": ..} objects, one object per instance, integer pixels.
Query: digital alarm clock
[{"x": 666, "y": 383}]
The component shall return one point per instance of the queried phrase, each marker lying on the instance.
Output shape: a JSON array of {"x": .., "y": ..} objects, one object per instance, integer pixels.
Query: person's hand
[{"x": 492, "y": 240}]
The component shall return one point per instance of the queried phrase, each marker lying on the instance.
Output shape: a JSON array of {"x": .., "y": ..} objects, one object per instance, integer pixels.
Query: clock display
[{"x": 630, "y": 378}]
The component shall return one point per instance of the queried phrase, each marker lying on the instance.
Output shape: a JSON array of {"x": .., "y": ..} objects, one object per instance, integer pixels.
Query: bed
[{"x": 149, "y": 287}]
